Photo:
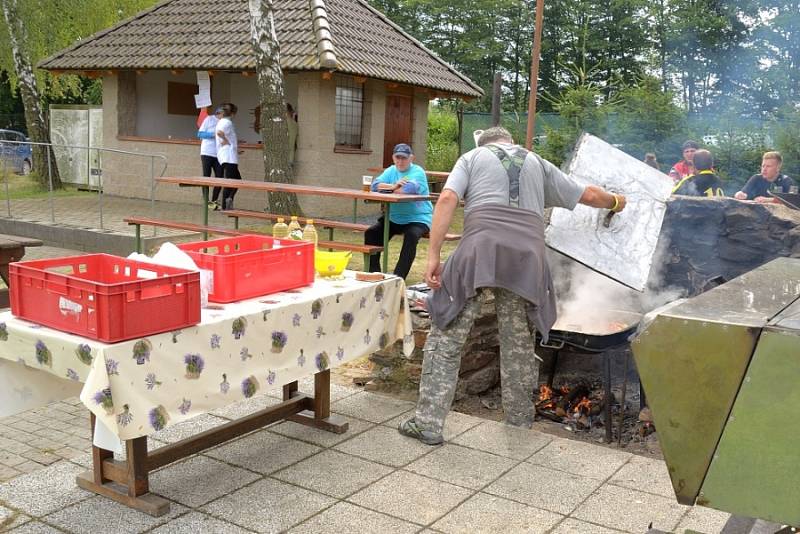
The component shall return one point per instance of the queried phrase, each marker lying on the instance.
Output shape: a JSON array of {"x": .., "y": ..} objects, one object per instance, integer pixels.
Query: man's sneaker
[{"x": 410, "y": 428}]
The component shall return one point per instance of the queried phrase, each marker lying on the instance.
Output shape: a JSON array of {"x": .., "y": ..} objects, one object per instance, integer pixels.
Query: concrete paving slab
[
  {"x": 503, "y": 440},
  {"x": 371, "y": 407},
  {"x": 246, "y": 407},
  {"x": 631, "y": 511},
  {"x": 461, "y": 466},
  {"x": 386, "y": 446},
  {"x": 411, "y": 497},
  {"x": 457, "y": 423},
  {"x": 269, "y": 506},
  {"x": 333, "y": 473},
  {"x": 197, "y": 522},
  {"x": 44, "y": 491},
  {"x": 346, "y": 518},
  {"x": 35, "y": 527},
  {"x": 580, "y": 458},
  {"x": 11, "y": 519},
  {"x": 99, "y": 514},
  {"x": 321, "y": 437},
  {"x": 188, "y": 428},
  {"x": 263, "y": 452},
  {"x": 645, "y": 474},
  {"x": 702, "y": 519},
  {"x": 338, "y": 392},
  {"x": 490, "y": 514},
  {"x": 544, "y": 488},
  {"x": 573, "y": 526},
  {"x": 199, "y": 480}
]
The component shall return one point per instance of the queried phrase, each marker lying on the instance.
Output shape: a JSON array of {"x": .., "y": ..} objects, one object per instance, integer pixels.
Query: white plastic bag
[{"x": 171, "y": 256}]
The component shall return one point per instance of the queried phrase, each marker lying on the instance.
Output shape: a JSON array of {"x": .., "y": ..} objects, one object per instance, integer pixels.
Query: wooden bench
[
  {"x": 322, "y": 223},
  {"x": 190, "y": 227}
]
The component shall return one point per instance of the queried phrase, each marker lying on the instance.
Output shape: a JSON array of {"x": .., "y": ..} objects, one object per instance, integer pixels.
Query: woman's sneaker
[{"x": 410, "y": 428}]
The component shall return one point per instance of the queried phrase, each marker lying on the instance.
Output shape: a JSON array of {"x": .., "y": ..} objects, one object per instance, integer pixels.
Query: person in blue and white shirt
[
  {"x": 412, "y": 219},
  {"x": 208, "y": 151}
]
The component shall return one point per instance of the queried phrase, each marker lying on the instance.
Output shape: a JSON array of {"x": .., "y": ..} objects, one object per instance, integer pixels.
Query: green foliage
[{"x": 442, "y": 140}]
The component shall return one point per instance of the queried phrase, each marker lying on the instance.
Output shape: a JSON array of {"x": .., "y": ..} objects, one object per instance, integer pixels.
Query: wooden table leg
[
  {"x": 321, "y": 417},
  {"x": 125, "y": 482}
]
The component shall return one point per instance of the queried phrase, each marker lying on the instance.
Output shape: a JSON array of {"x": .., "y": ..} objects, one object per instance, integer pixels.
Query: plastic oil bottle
[
  {"x": 295, "y": 231},
  {"x": 280, "y": 229},
  {"x": 310, "y": 233}
]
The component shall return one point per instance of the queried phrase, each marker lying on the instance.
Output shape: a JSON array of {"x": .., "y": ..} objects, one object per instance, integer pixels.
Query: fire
[{"x": 583, "y": 406}]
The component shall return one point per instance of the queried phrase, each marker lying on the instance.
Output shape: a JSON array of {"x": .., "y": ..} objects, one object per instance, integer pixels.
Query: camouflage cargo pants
[{"x": 519, "y": 366}]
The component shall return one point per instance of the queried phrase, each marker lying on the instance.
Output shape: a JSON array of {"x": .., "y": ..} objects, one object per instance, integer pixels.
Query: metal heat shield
[{"x": 623, "y": 249}]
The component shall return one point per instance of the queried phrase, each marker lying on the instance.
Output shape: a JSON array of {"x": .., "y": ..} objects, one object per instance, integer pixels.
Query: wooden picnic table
[
  {"x": 12, "y": 248},
  {"x": 386, "y": 200}
]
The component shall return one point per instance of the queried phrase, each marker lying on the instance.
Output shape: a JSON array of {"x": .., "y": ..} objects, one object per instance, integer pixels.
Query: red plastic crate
[
  {"x": 104, "y": 297},
  {"x": 250, "y": 266}
]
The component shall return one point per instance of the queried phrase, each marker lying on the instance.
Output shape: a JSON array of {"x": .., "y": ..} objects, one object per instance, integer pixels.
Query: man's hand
[{"x": 433, "y": 271}]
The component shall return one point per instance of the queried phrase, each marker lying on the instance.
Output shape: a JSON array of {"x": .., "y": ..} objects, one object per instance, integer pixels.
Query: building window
[{"x": 349, "y": 113}]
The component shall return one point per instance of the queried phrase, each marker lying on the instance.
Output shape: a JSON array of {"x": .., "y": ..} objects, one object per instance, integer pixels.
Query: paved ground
[{"x": 487, "y": 478}]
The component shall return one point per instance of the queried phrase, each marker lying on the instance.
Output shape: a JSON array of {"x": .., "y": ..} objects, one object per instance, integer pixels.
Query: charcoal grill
[
  {"x": 598, "y": 334},
  {"x": 721, "y": 372}
]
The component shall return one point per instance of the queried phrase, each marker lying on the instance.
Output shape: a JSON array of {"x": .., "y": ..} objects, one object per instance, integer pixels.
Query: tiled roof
[{"x": 347, "y": 36}]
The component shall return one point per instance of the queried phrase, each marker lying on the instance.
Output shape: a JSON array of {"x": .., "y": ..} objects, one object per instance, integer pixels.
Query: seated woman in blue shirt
[{"x": 412, "y": 219}]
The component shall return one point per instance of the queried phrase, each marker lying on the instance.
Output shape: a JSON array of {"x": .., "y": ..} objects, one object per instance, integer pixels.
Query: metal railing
[{"x": 98, "y": 151}]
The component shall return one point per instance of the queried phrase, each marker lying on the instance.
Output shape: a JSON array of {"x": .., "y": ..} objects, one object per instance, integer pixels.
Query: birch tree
[
  {"x": 274, "y": 130},
  {"x": 35, "y": 118}
]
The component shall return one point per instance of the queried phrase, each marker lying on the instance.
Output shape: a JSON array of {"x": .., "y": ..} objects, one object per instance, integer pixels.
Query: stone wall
[{"x": 701, "y": 239}]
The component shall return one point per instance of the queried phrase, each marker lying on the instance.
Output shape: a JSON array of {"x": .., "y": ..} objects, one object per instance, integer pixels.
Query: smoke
[{"x": 590, "y": 302}]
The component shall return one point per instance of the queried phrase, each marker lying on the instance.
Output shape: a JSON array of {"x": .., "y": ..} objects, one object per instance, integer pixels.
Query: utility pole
[{"x": 537, "y": 49}]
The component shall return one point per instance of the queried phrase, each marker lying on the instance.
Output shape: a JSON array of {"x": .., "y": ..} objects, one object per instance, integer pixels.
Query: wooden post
[
  {"x": 537, "y": 48},
  {"x": 496, "y": 93}
]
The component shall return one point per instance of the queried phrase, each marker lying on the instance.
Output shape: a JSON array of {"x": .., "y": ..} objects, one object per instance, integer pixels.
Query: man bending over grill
[{"x": 505, "y": 190}]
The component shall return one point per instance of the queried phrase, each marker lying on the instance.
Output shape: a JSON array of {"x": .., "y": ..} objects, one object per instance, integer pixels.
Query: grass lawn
[
  {"x": 417, "y": 269},
  {"x": 20, "y": 187}
]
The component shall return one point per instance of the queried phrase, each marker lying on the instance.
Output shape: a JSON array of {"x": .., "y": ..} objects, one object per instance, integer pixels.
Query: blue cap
[{"x": 402, "y": 150}]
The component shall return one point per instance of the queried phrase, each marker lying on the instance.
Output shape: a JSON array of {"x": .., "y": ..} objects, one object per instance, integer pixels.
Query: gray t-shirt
[{"x": 479, "y": 178}]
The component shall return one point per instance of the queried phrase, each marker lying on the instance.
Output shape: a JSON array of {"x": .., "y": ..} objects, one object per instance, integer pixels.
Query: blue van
[{"x": 16, "y": 156}]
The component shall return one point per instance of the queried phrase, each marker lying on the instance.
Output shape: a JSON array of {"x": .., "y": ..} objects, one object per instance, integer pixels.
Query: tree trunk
[
  {"x": 35, "y": 119},
  {"x": 274, "y": 130}
]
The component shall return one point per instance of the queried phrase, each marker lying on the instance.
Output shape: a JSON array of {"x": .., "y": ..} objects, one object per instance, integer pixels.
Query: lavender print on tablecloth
[
  {"x": 125, "y": 417},
  {"x": 158, "y": 417},
  {"x": 103, "y": 398},
  {"x": 322, "y": 361},
  {"x": 43, "y": 355},
  {"x": 316, "y": 308},
  {"x": 347, "y": 321},
  {"x": 141, "y": 351},
  {"x": 279, "y": 340},
  {"x": 249, "y": 386},
  {"x": 84, "y": 354},
  {"x": 194, "y": 365},
  {"x": 238, "y": 327},
  {"x": 151, "y": 381},
  {"x": 112, "y": 367}
]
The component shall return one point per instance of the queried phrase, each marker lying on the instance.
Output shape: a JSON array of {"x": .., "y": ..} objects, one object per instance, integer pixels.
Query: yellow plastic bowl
[{"x": 331, "y": 263}]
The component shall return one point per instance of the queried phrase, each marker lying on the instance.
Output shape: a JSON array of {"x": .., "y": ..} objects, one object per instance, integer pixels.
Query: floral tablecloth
[{"x": 238, "y": 350}]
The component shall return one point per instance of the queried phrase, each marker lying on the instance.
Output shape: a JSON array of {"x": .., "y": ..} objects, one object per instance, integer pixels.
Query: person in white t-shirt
[
  {"x": 208, "y": 151},
  {"x": 228, "y": 152}
]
